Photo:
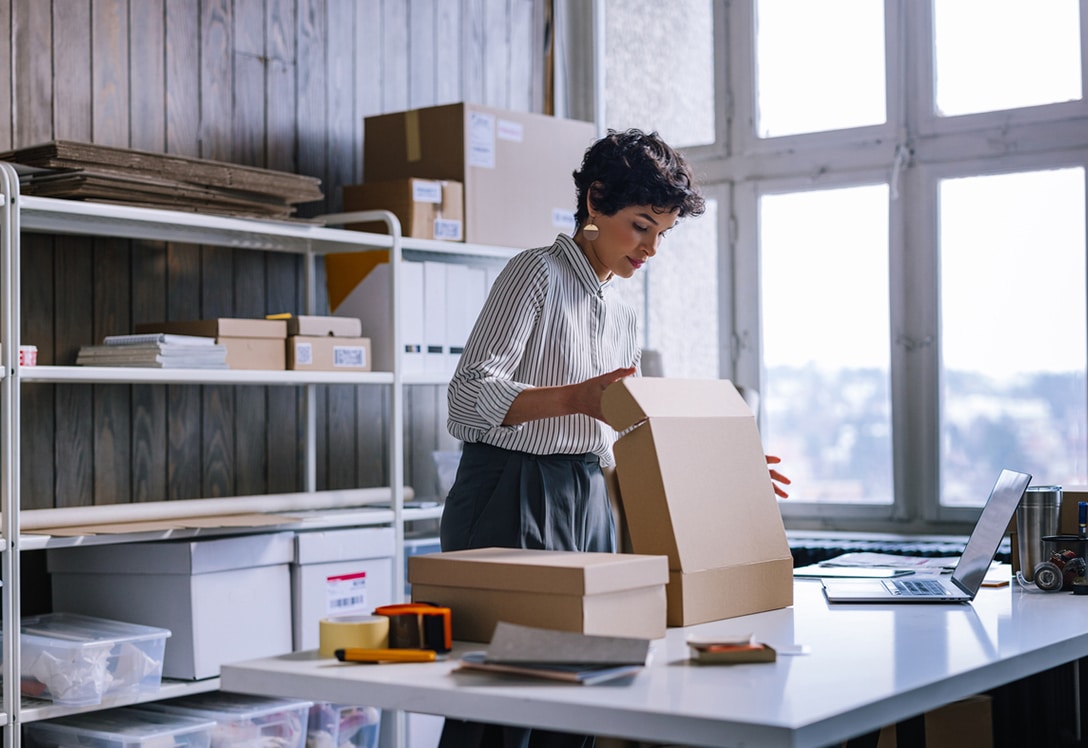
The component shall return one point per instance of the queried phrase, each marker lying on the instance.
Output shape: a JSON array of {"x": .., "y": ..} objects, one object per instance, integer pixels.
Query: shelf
[
  {"x": 48, "y": 215},
  {"x": 142, "y": 375},
  {"x": 35, "y": 709}
]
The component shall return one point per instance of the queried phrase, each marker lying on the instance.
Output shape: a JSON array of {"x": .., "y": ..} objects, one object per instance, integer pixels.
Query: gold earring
[{"x": 590, "y": 231}]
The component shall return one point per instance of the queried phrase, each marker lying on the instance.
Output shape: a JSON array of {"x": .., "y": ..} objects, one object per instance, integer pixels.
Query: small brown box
[
  {"x": 615, "y": 594},
  {"x": 328, "y": 353},
  {"x": 426, "y": 208}
]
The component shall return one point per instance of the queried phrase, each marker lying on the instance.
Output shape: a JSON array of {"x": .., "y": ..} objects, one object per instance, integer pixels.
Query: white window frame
[{"x": 911, "y": 152}]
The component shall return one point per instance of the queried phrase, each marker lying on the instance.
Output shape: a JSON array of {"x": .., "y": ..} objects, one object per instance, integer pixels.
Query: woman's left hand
[{"x": 777, "y": 479}]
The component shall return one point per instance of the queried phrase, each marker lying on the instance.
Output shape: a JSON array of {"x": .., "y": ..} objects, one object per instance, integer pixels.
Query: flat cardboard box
[
  {"x": 426, "y": 208},
  {"x": 338, "y": 572},
  {"x": 515, "y": 166},
  {"x": 250, "y": 343},
  {"x": 592, "y": 593},
  {"x": 694, "y": 486},
  {"x": 223, "y": 599},
  {"x": 965, "y": 722},
  {"x": 319, "y": 325},
  {"x": 312, "y": 353}
]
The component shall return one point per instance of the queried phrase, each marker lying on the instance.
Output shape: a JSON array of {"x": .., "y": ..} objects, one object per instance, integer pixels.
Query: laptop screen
[{"x": 986, "y": 537}]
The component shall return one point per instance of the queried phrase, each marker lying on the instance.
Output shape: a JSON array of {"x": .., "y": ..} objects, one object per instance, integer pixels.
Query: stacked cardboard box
[
  {"x": 694, "y": 486},
  {"x": 316, "y": 343},
  {"x": 426, "y": 208},
  {"x": 250, "y": 343},
  {"x": 515, "y": 166}
]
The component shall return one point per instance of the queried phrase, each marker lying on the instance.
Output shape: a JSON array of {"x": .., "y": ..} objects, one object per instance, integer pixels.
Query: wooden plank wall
[{"x": 282, "y": 84}]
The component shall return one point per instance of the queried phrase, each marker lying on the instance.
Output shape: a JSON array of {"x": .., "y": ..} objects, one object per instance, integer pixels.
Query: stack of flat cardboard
[{"x": 69, "y": 169}]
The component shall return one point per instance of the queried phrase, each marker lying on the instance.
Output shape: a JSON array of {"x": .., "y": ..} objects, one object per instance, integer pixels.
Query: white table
[{"x": 867, "y": 666}]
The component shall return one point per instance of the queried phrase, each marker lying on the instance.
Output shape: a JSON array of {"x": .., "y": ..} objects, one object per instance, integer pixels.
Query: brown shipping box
[
  {"x": 325, "y": 353},
  {"x": 250, "y": 343},
  {"x": 426, "y": 208},
  {"x": 614, "y": 594},
  {"x": 516, "y": 167},
  {"x": 694, "y": 486}
]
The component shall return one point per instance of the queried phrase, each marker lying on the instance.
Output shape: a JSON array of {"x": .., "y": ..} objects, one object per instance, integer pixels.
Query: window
[{"x": 900, "y": 210}]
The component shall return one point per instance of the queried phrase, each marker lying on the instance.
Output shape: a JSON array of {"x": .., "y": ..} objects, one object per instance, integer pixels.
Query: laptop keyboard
[{"x": 918, "y": 587}]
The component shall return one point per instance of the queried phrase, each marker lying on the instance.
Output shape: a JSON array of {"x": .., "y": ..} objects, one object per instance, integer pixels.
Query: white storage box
[
  {"x": 127, "y": 727},
  {"x": 243, "y": 721},
  {"x": 339, "y": 572},
  {"x": 224, "y": 599},
  {"x": 77, "y": 660},
  {"x": 340, "y": 726}
]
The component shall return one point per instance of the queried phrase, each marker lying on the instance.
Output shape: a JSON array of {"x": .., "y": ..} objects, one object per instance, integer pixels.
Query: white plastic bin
[
  {"x": 244, "y": 721},
  {"x": 339, "y": 726},
  {"x": 77, "y": 660}
]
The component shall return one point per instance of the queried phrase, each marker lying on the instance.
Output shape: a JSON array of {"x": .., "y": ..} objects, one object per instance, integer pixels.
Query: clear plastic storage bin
[
  {"x": 126, "y": 727},
  {"x": 339, "y": 725},
  {"x": 244, "y": 721},
  {"x": 78, "y": 660}
]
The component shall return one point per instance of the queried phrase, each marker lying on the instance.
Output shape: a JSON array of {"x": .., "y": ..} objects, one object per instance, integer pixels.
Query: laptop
[{"x": 971, "y": 569}]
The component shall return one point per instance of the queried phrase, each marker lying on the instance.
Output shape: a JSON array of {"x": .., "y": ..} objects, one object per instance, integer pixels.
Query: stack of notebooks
[
  {"x": 87, "y": 171},
  {"x": 155, "y": 350}
]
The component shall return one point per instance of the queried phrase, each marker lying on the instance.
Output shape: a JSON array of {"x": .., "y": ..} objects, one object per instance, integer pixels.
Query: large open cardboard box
[
  {"x": 694, "y": 486},
  {"x": 615, "y": 594}
]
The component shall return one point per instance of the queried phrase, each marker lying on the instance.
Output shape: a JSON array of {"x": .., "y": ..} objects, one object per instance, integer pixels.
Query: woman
[{"x": 526, "y": 396}]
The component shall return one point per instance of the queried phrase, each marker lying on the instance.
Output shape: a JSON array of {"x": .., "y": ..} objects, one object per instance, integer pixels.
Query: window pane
[
  {"x": 1003, "y": 54},
  {"x": 1012, "y": 330},
  {"x": 819, "y": 66},
  {"x": 659, "y": 68},
  {"x": 826, "y": 397},
  {"x": 676, "y": 296}
]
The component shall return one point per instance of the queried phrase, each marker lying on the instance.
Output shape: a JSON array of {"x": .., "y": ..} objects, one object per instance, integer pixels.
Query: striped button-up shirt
[{"x": 548, "y": 321}]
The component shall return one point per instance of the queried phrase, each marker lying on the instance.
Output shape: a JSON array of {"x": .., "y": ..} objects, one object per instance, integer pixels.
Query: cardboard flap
[{"x": 635, "y": 399}]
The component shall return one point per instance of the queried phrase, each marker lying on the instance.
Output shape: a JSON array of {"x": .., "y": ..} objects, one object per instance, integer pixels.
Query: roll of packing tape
[{"x": 344, "y": 632}]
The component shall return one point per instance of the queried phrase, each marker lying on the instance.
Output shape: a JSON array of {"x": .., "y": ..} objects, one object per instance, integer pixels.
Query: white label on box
[
  {"x": 511, "y": 131},
  {"x": 445, "y": 228},
  {"x": 427, "y": 192},
  {"x": 481, "y": 140},
  {"x": 304, "y": 354},
  {"x": 563, "y": 219},
  {"x": 345, "y": 593},
  {"x": 353, "y": 356}
]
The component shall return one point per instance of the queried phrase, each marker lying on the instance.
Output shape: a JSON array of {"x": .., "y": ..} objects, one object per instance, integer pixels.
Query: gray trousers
[{"x": 511, "y": 499}]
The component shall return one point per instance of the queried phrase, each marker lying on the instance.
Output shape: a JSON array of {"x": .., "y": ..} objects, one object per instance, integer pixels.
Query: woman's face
[{"x": 627, "y": 239}]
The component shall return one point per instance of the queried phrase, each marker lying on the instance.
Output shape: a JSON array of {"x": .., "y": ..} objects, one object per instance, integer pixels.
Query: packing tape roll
[{"x": 343, "y": 632}]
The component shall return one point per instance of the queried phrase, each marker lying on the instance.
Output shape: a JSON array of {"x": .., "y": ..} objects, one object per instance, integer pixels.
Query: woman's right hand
[{"x": 588, "y": 394}]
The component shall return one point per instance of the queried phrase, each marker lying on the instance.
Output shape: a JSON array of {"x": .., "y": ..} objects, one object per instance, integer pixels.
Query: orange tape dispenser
[{"x": 418, "y": 626}]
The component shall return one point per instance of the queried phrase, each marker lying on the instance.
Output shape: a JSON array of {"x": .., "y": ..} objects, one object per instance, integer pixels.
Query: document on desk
[{"x": 867, "y": 559}]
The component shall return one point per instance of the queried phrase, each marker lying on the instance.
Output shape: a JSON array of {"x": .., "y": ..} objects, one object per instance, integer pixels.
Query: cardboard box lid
[
  {"x": 223, "y": 327},
  {"x": 693, "y": 476},
  {"x": 352, "y": 544},
  {"x": 175, "y": 557},
  {"x": 529, "y": 570},
  {"x": 317, "y": 325}
]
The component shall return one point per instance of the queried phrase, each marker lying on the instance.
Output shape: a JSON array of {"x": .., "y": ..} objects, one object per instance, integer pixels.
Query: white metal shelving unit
[{"x": 21, "y": 214}]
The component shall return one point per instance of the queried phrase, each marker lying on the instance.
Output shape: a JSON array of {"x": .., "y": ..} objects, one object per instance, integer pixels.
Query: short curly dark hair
[{"x": 632, "y": 167}]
